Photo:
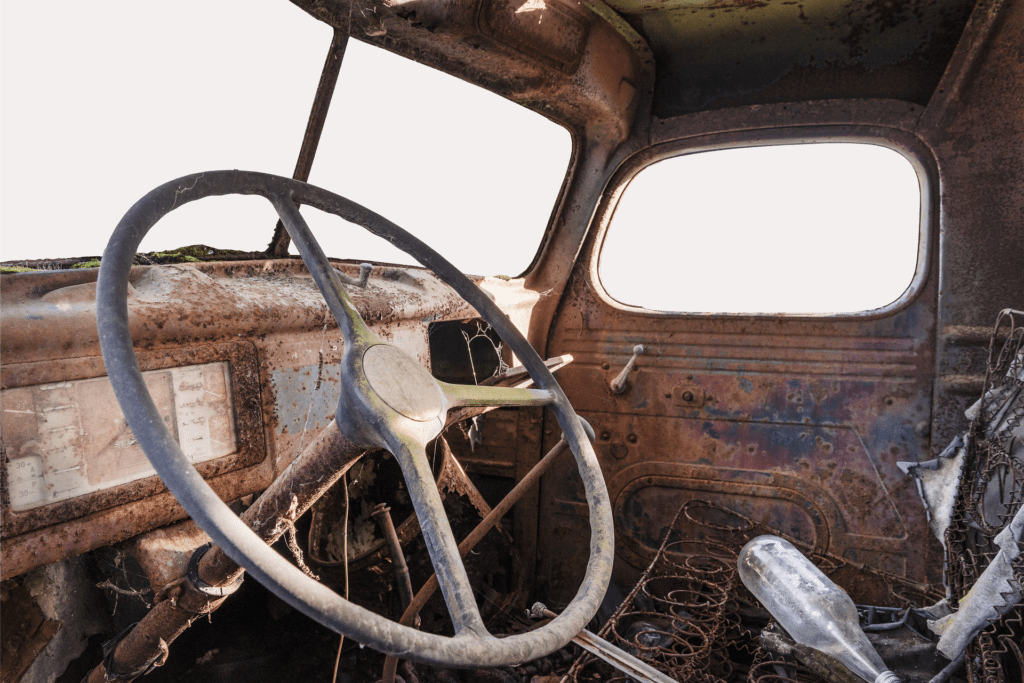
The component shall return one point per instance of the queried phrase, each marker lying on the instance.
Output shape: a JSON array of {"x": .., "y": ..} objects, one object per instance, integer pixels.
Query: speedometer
[{"x": 68, "y": 439}]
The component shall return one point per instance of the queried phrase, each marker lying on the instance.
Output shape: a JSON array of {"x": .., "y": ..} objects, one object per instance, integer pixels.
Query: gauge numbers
[{"x": 68, "y": 439}]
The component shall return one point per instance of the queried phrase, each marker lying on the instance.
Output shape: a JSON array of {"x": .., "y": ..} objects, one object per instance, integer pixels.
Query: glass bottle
[{"x": 814, "y": 611}]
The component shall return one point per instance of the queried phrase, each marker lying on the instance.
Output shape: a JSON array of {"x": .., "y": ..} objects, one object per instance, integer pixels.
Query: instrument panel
[
  {"x": 70, "y": 439},
  {"x": 68, "y": 454}
]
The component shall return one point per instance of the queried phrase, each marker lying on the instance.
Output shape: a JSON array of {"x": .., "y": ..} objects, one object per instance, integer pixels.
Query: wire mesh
[
  {"x": 990, "y": 494},
  {"x": 691, "y": 617}
]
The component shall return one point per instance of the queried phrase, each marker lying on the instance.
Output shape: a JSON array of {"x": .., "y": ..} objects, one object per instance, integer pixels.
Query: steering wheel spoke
[
  {"x": 469, "y": 396},
  {"x": 437, "y": 533},
  {"x": 353, "y": 329}
]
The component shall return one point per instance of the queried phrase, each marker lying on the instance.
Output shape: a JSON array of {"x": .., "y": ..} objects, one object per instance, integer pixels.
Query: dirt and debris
[{"x": 690, "y": 617}]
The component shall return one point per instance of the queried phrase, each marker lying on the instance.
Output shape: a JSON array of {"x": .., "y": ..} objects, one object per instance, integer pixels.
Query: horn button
[{"x": 402, "y": 383}]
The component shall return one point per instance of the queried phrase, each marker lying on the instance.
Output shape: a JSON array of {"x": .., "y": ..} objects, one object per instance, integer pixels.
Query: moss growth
[
  {"x": 94, "y": 263},
  {"x": 503, "y": 277},
  {"x": 7, "y": 270},
  {"x": 194, "y": 253},
  {"x": 174, "y": 257}
]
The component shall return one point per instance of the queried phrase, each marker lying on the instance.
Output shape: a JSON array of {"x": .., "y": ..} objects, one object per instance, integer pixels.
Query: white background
[{"x": 101, "y": 102}]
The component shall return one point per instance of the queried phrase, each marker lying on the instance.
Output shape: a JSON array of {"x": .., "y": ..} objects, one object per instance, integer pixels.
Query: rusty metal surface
[
  {"x": 727, "y": 53},
  {"x": 976, "y": 127},
  {"x": 24, "y": 633},
  {"x": 801, "y": 427},
  {"x": 879, "y": 371},
  {"x": 790, "y": 421},
  {"x": 595, "y": 327},
  {"x": 47, "y": 316},
  {"x": 559, "y": 52},
  {"x": 113, "y": 525},
  {"x": 163, "y": 554}
]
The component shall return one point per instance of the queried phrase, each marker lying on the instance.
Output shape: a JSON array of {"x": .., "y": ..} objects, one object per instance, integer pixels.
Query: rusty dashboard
[{"x": 243, "y": 358}]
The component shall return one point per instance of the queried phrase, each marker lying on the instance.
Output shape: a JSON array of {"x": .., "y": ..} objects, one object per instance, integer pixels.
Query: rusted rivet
[
  {"x": 688, "y": 396},
  {"x": 605, "y": 436},
  {"x": 631, "y": 438},
  {"x": 888, "y": 400},
  {"x": 605, "y": 365}
]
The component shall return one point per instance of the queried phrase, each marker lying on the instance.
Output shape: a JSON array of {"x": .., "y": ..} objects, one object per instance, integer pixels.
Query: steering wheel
[{"x": 388, "y": 400}]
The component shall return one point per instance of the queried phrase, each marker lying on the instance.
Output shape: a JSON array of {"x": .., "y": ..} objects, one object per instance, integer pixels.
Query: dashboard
[{"x": 241, "y": 358}]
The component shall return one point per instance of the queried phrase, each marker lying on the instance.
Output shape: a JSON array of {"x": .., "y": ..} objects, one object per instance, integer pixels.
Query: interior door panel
[{"x": 795, "y": 423}]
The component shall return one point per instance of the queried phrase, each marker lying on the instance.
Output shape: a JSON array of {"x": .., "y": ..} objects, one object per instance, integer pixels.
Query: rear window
[{"x": 823, "y": 228}]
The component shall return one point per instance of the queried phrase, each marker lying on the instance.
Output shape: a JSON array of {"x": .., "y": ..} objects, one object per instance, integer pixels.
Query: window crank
[{"x": 618, "y": 385}]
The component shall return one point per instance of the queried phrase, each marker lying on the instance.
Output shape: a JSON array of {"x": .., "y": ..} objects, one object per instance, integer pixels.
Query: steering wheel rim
[{"x": 470, "y": 647}]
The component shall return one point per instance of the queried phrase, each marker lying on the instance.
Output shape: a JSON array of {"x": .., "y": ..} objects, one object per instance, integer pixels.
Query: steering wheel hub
[{"x": 402, "y": 383}]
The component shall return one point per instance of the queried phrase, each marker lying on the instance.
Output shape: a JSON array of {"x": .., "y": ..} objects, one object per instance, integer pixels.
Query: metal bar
[
  {"x": 519, "y": 372},
  {"x": 628, "y": 600},
  {"x": 382, "y": 513},
  {"x": 485, "y": 525},
  {"x": 949, "y": 670},
  {"x": 437, "y": 533},
  {"x": 599, "y": 647},
  {"x": 314, "y": 129},
  {"x": 973, "y": 44},
  {"x": 468, "y": 395},
  {"x": 303, "y": 482}
]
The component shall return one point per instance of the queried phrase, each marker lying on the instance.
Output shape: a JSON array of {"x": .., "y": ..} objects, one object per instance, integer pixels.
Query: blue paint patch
[
  {"x": 709, "y": 429},
  {"x": 746, "y": 385},
  {"x": 295, "y": 389},
  {"x": 797, "y": 443}
]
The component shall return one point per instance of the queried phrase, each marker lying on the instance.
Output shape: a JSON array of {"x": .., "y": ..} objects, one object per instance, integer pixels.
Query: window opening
[
  {"x": 471, "y": 174},
  {"x": 821, "y": 228}
]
